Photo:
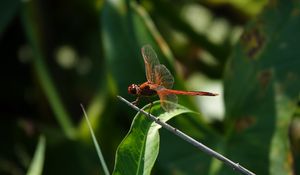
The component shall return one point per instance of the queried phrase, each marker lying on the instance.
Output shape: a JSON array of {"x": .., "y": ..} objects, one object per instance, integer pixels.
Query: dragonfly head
[{"x": 133, "y": 89}]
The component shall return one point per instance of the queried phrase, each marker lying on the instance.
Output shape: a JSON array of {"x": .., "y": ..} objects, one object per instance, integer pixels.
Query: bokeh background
[{"x": 57, "y": 55}]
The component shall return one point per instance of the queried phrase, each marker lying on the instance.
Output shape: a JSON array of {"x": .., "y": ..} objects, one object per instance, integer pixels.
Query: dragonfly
[{"x": 159, "y": 82}]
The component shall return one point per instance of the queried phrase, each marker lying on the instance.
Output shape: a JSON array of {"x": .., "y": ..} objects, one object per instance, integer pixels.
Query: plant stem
[
  {"x": 99, "y": 152},
  {"x": 202, "y": 147}
]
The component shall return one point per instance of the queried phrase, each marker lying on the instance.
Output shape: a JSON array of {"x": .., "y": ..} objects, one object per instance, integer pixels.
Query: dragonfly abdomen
[{"x": 193, "y": 93}]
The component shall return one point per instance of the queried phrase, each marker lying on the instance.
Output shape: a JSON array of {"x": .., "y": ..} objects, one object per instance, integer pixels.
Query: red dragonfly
[{"x": 159, "y": 82}]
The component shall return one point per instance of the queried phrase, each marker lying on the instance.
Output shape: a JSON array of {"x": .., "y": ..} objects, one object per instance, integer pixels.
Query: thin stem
[
  {"x": 202, "y": 147},
  {"x": 100, "y": 155}
]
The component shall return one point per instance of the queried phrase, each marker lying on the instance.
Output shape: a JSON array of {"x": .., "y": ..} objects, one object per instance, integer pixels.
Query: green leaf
[
  {"x": 36, "y": 166},
  {"x": 261, "y": 90},
  {"x": 281, "y": 153},
  {"x": 138, "y": 151},
  {"x": 120, "y": 45}
]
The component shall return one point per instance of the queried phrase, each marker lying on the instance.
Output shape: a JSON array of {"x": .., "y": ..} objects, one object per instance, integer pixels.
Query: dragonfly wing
[
  {"x": 151, "y": 61},
  {"x": 163, "y": 76},
  {"x": 167, "y": 101}
]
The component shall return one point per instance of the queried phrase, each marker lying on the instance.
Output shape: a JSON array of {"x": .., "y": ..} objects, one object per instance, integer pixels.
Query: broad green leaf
[
  {"x": 120, "y": 45},
  {"x": 139, "y": 149},
  {"x": 261, "y": 90},
  {"x": 36, "y": 166}
]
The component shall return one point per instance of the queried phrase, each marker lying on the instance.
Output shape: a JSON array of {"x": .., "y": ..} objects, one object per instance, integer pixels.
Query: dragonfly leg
[{"x": 135, "y": 102}]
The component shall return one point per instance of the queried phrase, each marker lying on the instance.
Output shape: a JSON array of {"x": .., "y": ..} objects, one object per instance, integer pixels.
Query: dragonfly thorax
[{"x": 145, "y": 89}]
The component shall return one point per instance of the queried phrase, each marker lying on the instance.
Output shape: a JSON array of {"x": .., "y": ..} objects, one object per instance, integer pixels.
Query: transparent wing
[
  {"x": 167, "y": 101},
  {"x": 163, "y": 76},
  {"x": 151, "y": 60}
]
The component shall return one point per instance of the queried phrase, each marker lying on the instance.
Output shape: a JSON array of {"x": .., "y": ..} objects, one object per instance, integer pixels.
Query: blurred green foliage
[{"x": 58, "y": 54}]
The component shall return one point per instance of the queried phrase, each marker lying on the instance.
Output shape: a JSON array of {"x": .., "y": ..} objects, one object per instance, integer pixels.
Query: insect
[{"x": 159, "y": 82}]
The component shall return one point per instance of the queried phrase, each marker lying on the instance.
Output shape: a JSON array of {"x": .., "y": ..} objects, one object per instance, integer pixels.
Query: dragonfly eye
[{"x": 132, "y": 89}]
